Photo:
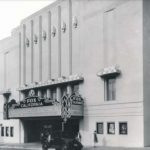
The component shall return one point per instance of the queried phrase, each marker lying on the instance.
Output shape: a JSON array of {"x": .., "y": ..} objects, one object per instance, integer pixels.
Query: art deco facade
[{"x": 84, "y": 61}]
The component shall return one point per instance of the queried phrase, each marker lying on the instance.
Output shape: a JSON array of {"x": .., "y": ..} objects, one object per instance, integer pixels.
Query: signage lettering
[
  {"x": 76, "y": 99},
  {"x": 34, "y": 101}
]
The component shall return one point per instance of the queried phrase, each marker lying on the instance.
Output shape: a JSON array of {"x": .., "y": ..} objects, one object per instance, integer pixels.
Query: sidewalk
[
  {"x": 115, "y": 148},
  {"x": 26, "y": 146},
  {"x": 37, "y": 146}
]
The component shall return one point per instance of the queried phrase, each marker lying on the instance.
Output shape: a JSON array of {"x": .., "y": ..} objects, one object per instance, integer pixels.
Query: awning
[{"x": 108, "y": 72}]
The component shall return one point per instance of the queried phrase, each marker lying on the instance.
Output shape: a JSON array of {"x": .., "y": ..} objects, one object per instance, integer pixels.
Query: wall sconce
[
  {"x": 36, "y": 83},
  {"x": 63, "y": 77},
  {"x": 27, "y": 42},
  {"x": 52, "y": 79},
  {"x": 25, "y": 84},
  {"x": 75, "y": 22},
  {"x": 63, "y": 27},
  {"x": 53, "y": 31},
  {"x": 44, "y": 35},
  {"x": 35, "y": 39}
]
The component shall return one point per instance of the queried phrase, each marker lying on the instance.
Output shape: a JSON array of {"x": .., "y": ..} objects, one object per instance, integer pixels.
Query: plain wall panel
[
  {"x": 28, "y": 53},
  {"x": 65, "y": 39},
  {"x": 54, "y": 42},
  {"x": 36, "y": 51},
  {"x": 45, "y": 50}
]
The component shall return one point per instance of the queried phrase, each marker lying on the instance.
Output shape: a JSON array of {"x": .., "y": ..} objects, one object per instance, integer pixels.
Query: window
[
  {"x": 123, "y": 128},
  {"x": 99, "y": 128},
  {"x": 2, "y": 131},
  {"x": 111, "y": 128},
  {"x": 7, "y": 131},
  {"x": 110, "y": 89},
  {"x": 11, "y": 131}
]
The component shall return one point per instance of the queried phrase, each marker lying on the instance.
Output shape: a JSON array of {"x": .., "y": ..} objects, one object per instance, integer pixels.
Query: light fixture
[
  {"x": 49, "y": 81},
  {"x": 35, "y": 83},
  {"x": 40, "y": 83},
  {"x": 63, "y": 77},
  {"x": 53, "y": 31},
  {"x": 27, "y": 42},
  {"x": 63, "y": 27},
  {"x": 75, "y": 22},
  {"x": 35, "y": 39},
  {"x": 53, "y": 79},
  {"x": 44, "y": 35},
  {"x": 25, "y": 84}
]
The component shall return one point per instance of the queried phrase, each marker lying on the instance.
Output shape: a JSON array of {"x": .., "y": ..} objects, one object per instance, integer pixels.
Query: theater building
[{"x": 78, "y": 66}]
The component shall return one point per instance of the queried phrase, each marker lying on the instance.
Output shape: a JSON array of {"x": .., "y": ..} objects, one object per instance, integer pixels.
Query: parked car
[{"x": 64, "y": 141}]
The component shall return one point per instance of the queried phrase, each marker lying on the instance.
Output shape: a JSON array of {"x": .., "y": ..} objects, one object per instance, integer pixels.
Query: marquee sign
[
  {"x": 35, "y": 101},
  {"x": 65, "y": 107},
  {"x": 76, "y": 99},
  {"x": 66, "y": 103},
  {"x": 32, "y": 101}
]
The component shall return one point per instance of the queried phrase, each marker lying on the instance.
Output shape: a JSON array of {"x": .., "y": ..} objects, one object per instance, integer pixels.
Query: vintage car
[{"x": 63, "y": 141}]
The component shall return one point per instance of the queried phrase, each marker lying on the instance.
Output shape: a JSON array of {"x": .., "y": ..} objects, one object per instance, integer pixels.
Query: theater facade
[{"x": 78, "y": 66}]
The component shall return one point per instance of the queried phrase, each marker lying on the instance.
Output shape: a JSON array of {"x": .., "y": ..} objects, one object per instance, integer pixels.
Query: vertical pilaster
[
  {"x": 32, "y": 51},
  {"x": 59, "y": 41},
  {"x": 19, "y": 59},
  {"x": 69, "y": 89},
  {"x": 49, "y": 45},
  {"x": 48, "y": 93},
  {"x": 58, "y": 90},
  {"x": 39, "y": 94},
  {"x": 24, "y": 53},
  {"x": 22, "y": 96},
  {"x": 19, "y": 63},
  {"x": 5, "y": 68},
  {"x": 40, "y": 48},
  {"x": 70, "y": 37}
]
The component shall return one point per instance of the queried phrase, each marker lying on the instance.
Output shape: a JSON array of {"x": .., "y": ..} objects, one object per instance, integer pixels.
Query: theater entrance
[{"x": 33, "y": 128}]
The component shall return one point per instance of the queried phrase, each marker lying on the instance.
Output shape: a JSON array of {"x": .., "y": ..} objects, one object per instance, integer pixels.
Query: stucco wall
[
  {"x": 108, "y": 33},
  {"x": 100, "y": 45},
  {"x": 88, "y": 41},
  {"x": 134, "y": 137},
  {"x": 9, "y": 79}
]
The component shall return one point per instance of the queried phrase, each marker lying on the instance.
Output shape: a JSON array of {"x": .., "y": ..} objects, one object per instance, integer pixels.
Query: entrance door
[
  {"x": 32, "y": 131},
  {"x": 33, "y": 128},
  {"x": 71, "y": 127}
]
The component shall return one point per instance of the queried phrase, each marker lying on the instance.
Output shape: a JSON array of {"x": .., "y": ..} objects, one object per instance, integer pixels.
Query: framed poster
[
  {"x": 123, "y": 128},
  {"x": 11, "y": 131},
  {"x": 111, "y": 128},
  {"x": 100, "y": 128}
]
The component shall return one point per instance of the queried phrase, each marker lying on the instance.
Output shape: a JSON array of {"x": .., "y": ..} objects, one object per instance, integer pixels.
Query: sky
[{"x": 13, "y": 11}]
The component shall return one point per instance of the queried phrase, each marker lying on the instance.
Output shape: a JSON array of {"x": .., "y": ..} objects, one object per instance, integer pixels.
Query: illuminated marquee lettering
[{"x": 34, "y": 101}]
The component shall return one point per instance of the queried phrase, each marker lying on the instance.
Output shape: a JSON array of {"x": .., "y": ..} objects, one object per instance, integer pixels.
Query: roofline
[{"x": 52, "y": 5}]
